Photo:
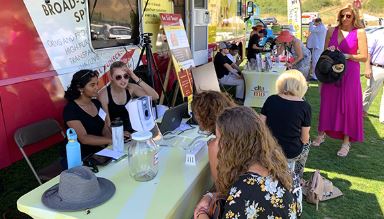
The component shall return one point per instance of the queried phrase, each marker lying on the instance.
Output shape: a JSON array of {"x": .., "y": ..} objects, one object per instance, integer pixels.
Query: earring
[{"x": 81, "y": 92}]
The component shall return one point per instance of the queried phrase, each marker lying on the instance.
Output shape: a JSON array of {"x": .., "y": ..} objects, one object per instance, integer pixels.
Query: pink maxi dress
[{"x": 341, "y": 106}]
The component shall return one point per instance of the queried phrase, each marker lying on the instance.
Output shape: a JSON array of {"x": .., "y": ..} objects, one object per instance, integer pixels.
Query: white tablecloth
[
  {"x": 260, "y": 85},
  {"x": 173, "y": 193}
]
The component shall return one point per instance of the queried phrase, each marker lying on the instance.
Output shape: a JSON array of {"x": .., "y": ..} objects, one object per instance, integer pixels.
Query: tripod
[{"x": 151, "y": 64}]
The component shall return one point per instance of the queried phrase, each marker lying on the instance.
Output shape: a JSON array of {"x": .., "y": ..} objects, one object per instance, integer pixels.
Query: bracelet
[
  {"x": 201, "y": 212},
  {"x": 138, "y": 82}
]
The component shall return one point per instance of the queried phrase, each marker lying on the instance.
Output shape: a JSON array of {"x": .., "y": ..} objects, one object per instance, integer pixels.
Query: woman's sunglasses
[
  {"x": 346, "y": 15},
  {"x": 119, "y": 77}
]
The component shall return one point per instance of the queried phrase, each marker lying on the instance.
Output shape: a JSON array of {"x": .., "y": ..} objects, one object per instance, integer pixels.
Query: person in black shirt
[
  {"x": 259, "y": 42},
  {"x": 289, "y": 118},
  {"x": 253, "y": 46},
  {"x": 82, "y": 113},
  {"x": 116, "y": 95},
  {"x": 228, "y": 72}
]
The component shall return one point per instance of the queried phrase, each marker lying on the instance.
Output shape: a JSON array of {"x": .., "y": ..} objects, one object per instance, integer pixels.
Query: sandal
[
  {"x": 319, "y": 140},
  {"x": 344, "y": 150}
]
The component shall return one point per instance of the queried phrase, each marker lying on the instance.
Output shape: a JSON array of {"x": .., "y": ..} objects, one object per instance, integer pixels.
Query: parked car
[
  {"x": 270, "y": 20},
  {"x": 95, "y": 31},
  {"x": 115, "y": 32},
  {"x": 372, "y": 29}
]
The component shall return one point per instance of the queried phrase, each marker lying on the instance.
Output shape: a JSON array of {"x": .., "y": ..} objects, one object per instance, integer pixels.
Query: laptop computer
[{"x": 172, "y": 118}]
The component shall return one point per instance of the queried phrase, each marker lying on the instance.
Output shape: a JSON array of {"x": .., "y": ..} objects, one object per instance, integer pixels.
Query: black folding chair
[{"x": 34, "y": 133}]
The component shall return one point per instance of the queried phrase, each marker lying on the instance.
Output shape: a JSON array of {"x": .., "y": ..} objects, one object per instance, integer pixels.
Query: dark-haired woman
[
  {"x": 116, "y": 95},
  {"x": 82, "y": 112}
]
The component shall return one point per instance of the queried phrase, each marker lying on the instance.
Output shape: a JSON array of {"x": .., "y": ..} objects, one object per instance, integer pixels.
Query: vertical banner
[
  {"x": 180, "y": 50},
  {"x": 294, "y": 16}
]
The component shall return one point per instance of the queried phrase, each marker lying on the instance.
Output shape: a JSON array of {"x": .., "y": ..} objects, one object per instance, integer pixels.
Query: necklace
[
  {"x": 88, "y": 108},
  {"x": 119, "y": 96},
  {"x": 84, "y": 106}
]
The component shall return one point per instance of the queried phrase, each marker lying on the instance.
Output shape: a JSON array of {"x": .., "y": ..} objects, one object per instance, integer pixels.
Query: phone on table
[
  {"x": 98, "y": 160},
  {"x": 127, "y": 139}
]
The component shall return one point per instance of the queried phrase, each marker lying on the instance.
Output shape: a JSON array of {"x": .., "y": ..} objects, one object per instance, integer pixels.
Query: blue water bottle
[{"x": 73, "y": 149}]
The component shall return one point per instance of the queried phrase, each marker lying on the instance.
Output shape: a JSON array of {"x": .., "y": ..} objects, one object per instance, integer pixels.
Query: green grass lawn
[{"x": 360, "y": 176}]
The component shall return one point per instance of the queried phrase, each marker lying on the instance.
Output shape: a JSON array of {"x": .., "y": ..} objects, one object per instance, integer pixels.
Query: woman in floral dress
[{"x": 252, "y": 170}]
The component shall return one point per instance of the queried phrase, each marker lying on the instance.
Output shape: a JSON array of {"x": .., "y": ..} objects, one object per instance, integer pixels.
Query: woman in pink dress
[{"x": 341, "y": 109}]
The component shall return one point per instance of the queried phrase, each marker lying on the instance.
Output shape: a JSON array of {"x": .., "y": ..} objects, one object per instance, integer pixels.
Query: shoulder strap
[
  {"x": 109, "y": 93},
  {"x": 128, "y": 96}
]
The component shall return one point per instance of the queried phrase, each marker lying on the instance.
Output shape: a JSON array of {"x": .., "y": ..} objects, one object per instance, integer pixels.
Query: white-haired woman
[{"x": 288, "y": 116}]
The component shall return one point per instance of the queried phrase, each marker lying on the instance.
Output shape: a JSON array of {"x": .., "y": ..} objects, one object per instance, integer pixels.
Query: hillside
[{"x": 327, "y": 8}]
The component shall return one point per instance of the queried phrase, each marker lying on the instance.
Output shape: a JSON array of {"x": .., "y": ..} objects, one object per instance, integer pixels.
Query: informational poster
[
  {"x": 180, "y": 50},
  {"x": 151, "y": 16},
  {"x": 294, "y": 16}
]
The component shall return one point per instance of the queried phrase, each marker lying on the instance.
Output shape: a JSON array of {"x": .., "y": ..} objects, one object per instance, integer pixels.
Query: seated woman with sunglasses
[
  {"x": 116, "y": 95},
  {"x": 82, "y": 113}
]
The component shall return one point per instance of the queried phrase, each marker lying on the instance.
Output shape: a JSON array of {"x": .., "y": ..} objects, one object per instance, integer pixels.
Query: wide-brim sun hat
[
  {"x": 284, "y": 37},
  {"x": 78, "y": 189},
  {"x": 330, "y": 67}
]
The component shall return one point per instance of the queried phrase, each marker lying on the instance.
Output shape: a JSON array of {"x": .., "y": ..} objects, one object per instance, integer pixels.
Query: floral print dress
[{"x": 255, "y": 196}]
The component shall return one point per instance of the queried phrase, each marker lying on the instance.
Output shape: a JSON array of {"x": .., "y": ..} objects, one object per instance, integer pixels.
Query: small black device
[
  {"x": 172, "y": 118},
  {"x": 95, "y": 160},
  {"x": 127, "y": 139},
  {"x": 101, "y": 160}
]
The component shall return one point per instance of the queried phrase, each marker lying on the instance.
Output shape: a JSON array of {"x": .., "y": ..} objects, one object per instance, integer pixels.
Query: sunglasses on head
[
  {"x": 346, "y": 15},
  {"x": 119, "y": 77},
  {"x": 90, "y": 73}
]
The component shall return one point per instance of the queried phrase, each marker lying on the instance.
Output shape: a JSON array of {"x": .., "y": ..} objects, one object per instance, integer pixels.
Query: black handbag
[{"x": 331, "y": 66}]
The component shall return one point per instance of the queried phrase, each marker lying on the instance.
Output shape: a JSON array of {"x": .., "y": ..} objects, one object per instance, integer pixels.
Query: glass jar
[{"x": 143, "y": 157}]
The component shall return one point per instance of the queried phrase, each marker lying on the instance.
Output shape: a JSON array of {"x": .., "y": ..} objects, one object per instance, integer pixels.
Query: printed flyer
[{"x": 180, "y": 50}]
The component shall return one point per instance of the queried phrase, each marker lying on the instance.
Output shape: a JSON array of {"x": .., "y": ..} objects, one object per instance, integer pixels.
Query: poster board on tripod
[{"x": 181, "y": 54}]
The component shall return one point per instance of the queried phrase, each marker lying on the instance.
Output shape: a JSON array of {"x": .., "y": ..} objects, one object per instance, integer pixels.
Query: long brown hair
[
  {"x": 207, "y": 105},
  {"x": 356, "y": 18},
  {"x": 246, "y": 140}
]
